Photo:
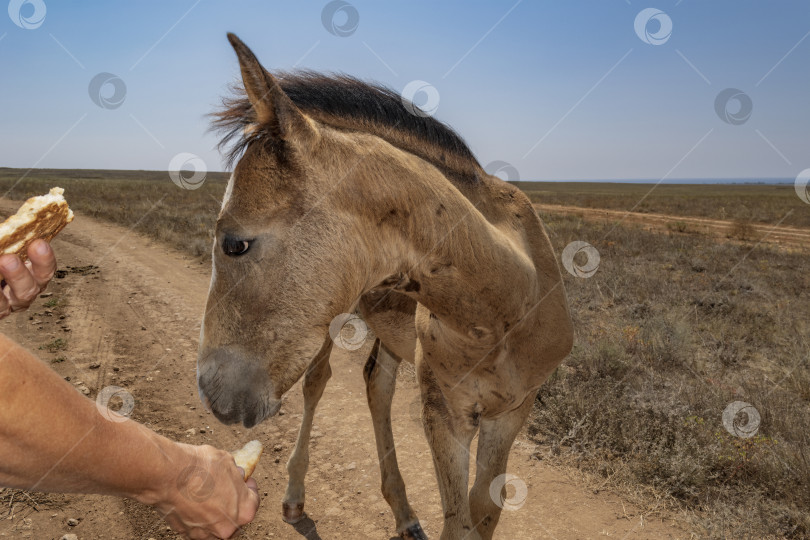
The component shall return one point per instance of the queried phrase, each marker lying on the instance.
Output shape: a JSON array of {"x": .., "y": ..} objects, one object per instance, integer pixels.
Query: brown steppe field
[{"x": 701, "y": 299}]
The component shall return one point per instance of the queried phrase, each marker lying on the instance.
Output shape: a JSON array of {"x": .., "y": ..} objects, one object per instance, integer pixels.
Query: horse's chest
[{"x": 487, "y": 383}]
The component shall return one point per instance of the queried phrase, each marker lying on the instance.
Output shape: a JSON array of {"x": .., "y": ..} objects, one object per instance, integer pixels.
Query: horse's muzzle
[{"x": 235, "y": 388}]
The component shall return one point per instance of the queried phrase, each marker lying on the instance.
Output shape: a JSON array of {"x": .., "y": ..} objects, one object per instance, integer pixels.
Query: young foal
[{"x": 343, "y": 200}]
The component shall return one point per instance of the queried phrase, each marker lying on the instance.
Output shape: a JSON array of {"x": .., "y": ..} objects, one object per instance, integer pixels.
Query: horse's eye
[{"x": 233, "y": 247}]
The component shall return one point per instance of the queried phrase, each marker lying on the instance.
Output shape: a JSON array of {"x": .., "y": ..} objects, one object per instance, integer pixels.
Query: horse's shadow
[{"x": 307, "y": 528}]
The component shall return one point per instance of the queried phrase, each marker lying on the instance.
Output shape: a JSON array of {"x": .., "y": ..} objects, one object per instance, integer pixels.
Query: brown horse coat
[{"x": 342, "y": 199}]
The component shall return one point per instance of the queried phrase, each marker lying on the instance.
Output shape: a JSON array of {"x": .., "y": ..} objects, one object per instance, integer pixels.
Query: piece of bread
[
  {"x": 248, "y": 456},
  {"x": 39, "y": 217}
]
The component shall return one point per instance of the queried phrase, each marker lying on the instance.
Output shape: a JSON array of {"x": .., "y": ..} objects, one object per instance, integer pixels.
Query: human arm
[{"x": 54, "y": 439}]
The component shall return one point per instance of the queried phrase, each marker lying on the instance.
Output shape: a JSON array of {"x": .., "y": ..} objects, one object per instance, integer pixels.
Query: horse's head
[{"x": 285, "y": 255}]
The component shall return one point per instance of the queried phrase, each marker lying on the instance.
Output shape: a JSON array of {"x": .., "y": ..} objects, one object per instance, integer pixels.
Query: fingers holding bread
[
  {"x": 38, "y": 218},
  {"x": 20, "y": 287},
  {"x": 27, "y": 262},
  {"x": 42, "y": 262}
]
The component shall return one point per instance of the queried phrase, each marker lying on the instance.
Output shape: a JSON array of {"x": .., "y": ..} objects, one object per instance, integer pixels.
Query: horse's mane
[{"x": 347, "y": 103}]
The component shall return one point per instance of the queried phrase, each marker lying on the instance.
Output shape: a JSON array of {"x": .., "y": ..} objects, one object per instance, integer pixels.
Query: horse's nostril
[
  {"x": 249, "y": 420},
  {"x": 227, "y": 418}
]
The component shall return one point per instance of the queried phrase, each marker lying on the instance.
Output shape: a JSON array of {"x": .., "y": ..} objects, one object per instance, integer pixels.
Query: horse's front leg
[
  {"x": 449, "y": 435},
  {"x": 317, "y": 375},
  {"x": 495, "y": 439},
  {"x": 380, "y": 374}
]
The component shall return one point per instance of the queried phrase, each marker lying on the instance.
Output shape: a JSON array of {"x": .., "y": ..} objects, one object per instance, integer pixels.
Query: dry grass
[
  {"x": 757, "y": 203},
  {"x": 147, "y": 201},
  {"x": 17, "y": 504},
  {"x": 669, "y": 331}
]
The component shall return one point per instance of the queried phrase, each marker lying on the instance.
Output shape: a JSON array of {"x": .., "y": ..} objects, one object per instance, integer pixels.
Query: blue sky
[{"x": 558, "y": 89}]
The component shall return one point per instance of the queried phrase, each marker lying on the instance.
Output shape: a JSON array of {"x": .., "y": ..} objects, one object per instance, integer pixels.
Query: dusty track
[
  {"x": 789, "y": 237},
  {"x": 138, "y": 316}
]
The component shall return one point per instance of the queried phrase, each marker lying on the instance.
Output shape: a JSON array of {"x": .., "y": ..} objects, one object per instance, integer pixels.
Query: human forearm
[{"x": 54, "y": 439}]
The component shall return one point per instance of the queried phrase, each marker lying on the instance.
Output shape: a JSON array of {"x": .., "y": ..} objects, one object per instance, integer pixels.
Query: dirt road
[
  {"x": 126, "y": 311},
  {"x": 789, "y": 237}
]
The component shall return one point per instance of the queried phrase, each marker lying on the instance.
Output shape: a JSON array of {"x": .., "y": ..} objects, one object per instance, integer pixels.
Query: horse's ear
[{"x": 273, "y": 108}]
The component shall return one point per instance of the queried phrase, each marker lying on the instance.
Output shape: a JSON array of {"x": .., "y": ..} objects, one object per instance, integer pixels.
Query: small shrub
[
  {"x": 742, "y": 229},
  {"x": 58, "y": 344},
  {"x": 677, "y": 226}
]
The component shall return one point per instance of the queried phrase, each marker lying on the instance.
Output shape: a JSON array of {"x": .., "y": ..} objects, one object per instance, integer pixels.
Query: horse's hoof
[
  {"x": 292, "y": 513},
  {"x": 414, "y": 532}
]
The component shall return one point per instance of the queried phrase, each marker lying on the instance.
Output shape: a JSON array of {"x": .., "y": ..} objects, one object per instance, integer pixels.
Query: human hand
[
  {"x": 209, "y": 498},
  {"x": 22, "y": 282}
]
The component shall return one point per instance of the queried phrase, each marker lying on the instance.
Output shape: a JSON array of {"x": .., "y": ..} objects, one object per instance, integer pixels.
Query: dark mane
[{"x": 348, "y": 103}]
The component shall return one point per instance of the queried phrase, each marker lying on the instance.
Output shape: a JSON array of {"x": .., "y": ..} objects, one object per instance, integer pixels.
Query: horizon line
[{"x": 696, "y": 179}]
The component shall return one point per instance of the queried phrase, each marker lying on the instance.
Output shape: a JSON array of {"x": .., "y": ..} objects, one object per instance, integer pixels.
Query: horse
[{"x": 344, "y": 197}]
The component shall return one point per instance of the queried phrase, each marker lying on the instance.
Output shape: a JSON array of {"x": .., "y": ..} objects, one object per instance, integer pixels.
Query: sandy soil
[
  {"x": 789, "y": 237},
  {"x": 128, "y": 311}
]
